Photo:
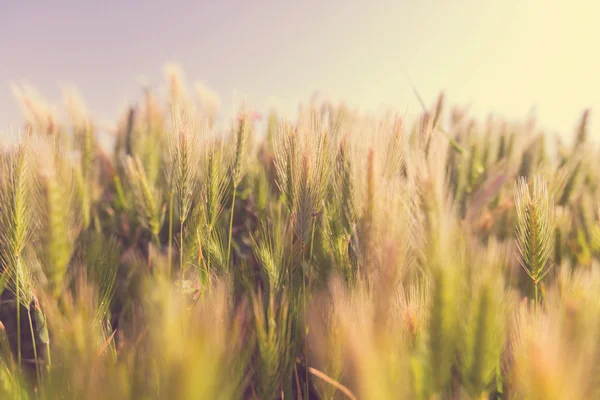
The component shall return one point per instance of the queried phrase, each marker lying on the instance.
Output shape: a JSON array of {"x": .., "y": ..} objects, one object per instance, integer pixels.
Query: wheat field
[{"x": 336, "y": 256}]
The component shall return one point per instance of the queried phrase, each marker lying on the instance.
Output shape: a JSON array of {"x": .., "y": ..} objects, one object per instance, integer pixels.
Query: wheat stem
[
  {"x": 181, "y": 245},
  {"x": 48, "y": 356},
  {"x": 332, "y": 382},
  {"x": 35, "y": 356},
  {"x": 231, "y": 224},
  {"x": 18, "y": 287},
  {"x": 304, "y": 302},
  {"x": 312, "y": 237},
  {"x": 170, "y": 245},
  {"x": 208, "y": 260},
  {"x": 535, "y": 284}
]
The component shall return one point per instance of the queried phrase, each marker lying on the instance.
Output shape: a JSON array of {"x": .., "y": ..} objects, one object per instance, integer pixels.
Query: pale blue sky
[{"x": 501, "y": 56}]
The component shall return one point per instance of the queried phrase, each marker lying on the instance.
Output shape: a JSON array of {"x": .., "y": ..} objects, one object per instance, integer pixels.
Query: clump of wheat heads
[
  {"x": 57, "y": 220},
  {"x": 16, "y": 227},
  {"x": 147, "y": 197},
  {"x": 204, "y": 235},
  {"x": 535, "y": 228},
  {"x": 274, "y": 329},
  {"x": 243, "y": 141},
  {"x": 182, "y": 172}
]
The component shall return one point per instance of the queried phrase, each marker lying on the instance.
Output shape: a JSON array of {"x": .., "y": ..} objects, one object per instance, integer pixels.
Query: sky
[{"x": 507, "y": 57}]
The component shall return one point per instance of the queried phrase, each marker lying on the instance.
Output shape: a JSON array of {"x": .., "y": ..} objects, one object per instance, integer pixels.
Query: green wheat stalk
[
  {"x": 534, "y": 229},
  {"x": 147, "y": 197},
  {"x": 16, "y": 228},
  {"x": 183, "y": 175},
  {"x": 238, "y": 169}
]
